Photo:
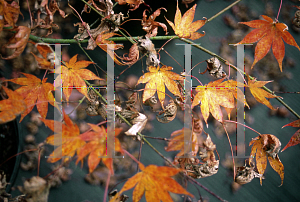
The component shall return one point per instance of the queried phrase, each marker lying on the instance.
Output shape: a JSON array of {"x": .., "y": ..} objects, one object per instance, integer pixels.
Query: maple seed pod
[{"x": 215, "y": 68}]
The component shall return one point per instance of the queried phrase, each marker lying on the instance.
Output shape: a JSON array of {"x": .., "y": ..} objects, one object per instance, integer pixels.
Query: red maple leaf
[
  {"x": 295, "y": 139},
  {"x": 268, "y": 33},
  {"x": 35, "y": 92},
  {"x": 96, "y": 147},
  {"x": 68, "y": 136},
  {"x": 11, "y": 107}
]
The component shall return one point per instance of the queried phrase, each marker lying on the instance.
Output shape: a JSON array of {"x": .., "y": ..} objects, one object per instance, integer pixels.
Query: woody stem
[{"x": 222, "y": 11}]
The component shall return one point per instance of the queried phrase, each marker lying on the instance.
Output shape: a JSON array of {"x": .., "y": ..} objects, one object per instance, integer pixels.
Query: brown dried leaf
[
  {"x": 150, "y": 26},
  {"x": 9, "y": 13},
  {"x": 133, "y": 55},
  {"x": 18, "y": 41},
  {"x": 263, "y": 146}
]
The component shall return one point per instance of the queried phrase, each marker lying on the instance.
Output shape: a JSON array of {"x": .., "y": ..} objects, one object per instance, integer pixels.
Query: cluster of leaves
[{"x": 154, "y": 181}]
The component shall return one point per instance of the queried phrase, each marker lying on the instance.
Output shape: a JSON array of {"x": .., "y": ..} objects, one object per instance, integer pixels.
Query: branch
[
  {"x": 71, "y": 41},
  {"x": 222, "y": 11}
]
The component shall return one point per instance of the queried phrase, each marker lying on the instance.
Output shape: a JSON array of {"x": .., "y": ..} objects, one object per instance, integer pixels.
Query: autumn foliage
[{"x": 159, "y": 89}]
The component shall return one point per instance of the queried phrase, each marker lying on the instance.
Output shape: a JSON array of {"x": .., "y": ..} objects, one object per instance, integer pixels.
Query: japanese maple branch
[
  {"x": 145, "y": 140},
  {"x": 222, "y": 11},
  {"x": 129, "y": 124},
  {"x": 237, "y": 69}
]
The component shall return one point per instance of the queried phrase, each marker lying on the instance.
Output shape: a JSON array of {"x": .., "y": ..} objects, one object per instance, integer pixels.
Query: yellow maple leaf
[
  {"x": 156, "y": 80},
  {"x": 184, "y": 26}
]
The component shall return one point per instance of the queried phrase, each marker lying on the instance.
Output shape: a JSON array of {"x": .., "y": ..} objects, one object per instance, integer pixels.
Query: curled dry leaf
[
  {"x": 18, "y": 41},
  {"x": 133, "y": 55},
  {"x": 215, "y": 68},
  {"x": 184, "y": 26},
  {"x": 134, "y": 4},
  {"x": 146, "y": 46},
  {"x": 47, "y": 60},
  {"x": 48, "y": 9},
  {"x": 35, "y": 92},
  {"x": 260, "y": 94},
  {"x": 157, "y": 79},
  {"x": 295, "y": 139},
  {"x": 268, "y": 33},
  {"x": 94, "y": 105},
  {"x": 11, "y": 107},
  {"x": 264, "y": 146},
  {"x": 210, "y": 165},
  {"x": 150, "y": 25},
  {"x": 139, "y": 123},
  {"x": 155, "y": 182},
  {"x": 169, "y": 113},
  {"x": 246, "y": 173},
  {"x": 9, "y": 14}
]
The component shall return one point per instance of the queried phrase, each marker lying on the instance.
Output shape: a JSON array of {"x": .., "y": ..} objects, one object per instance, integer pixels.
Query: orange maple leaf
[
  {"x": 155, "y": 182},
  {"x": 260, "y": 94},
  {"x": 73, "y": 75},
  {"x": 18, "y": 41},
  {"x": 295, "y": 139},
  {"x": 216, "y": 94},
  {"x": 184, "y": 26},
  {"x": 67, "y": 139},
  {"x": 109, "y": 46},
  {"x": 268, "y": 33},
  {"x": 44, "y": 62},
  {"x": 156, "y": 80},
  {"x": 35, "y": 92},
  {"x": 177, "y": 142},
  {"x": 96, "y": 147},
  {"x": 9, "y": 13},
  {"x": 264, "y": 146},
  {"x": 11, "y": 107}
]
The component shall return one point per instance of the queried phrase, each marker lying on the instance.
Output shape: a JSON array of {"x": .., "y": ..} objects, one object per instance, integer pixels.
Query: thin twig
[
  {"x": 279, "y": 11},
  {"x": 230, "y": 150},
  {"x": 222, "y": 11}
]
